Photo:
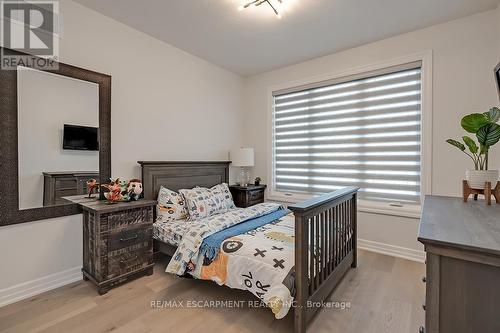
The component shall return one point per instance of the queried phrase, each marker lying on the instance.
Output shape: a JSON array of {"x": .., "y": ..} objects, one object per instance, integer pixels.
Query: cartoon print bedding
[
  {"x": 260, "y": 261},
  {"x": 189, "y": 246}
]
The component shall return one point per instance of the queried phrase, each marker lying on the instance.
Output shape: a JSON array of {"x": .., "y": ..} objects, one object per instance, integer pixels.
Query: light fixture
[{"x": 260, "y": 2}]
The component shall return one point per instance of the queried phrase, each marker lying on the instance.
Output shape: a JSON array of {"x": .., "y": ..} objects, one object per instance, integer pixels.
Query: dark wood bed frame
[{"x": 320, "y": 262}]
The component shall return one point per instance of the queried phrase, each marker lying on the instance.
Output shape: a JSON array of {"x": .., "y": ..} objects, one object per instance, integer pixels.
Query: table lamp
[{"x": 242, "y": 157}]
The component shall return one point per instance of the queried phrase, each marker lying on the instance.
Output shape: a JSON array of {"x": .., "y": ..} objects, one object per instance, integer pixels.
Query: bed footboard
[{"x": 325, "y": 248}]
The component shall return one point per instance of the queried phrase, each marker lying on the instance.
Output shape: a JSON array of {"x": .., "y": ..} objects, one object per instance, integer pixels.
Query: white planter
[{"x": 477, "y": 178}]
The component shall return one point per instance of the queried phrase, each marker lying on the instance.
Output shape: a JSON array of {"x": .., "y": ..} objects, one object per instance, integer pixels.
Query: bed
[{"x": 325, "y": 230}]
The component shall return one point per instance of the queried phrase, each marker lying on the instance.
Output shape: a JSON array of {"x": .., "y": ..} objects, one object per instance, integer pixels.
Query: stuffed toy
[
  {"x": 124, "y": 190},
  {"x": 114, "y": 194},
  {"x": 134, "y": 189}
]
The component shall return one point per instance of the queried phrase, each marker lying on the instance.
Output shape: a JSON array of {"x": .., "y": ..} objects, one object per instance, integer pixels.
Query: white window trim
[{"x": 426, "y": 138}]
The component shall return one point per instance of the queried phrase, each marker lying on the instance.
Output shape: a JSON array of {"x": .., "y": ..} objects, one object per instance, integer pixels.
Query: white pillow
[
  {"x": 171, "y": 206},
  {"x": 203, "y": 202}
]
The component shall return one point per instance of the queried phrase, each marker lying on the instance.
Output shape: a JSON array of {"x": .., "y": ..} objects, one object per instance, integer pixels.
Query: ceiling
[{"x": 254, "y": 40}]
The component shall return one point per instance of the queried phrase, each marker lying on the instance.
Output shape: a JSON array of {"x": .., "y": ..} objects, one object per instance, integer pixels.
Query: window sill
[
  {"x": 363, "y": 206},
  {"x": 384, "y": 209}
]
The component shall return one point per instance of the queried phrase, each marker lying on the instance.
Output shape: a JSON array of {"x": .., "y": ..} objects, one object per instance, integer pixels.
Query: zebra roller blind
[{"x": 360, "y": 131}]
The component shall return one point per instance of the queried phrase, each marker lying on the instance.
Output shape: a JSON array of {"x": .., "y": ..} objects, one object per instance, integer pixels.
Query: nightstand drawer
[
  {"x": 129, "y": 259},
  {"x": 127, "y": 237},
  {"x": 257, "y": 195},
  {"x": 128, "y": 218}
]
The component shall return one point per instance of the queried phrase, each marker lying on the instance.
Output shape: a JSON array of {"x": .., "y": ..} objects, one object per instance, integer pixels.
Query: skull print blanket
[
  {"x": 260, "y": 260},
  {"x": 198, "y": 230}
]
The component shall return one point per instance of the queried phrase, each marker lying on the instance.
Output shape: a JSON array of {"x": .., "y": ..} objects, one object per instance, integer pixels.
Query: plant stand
[{"x": 487, "y": 192}]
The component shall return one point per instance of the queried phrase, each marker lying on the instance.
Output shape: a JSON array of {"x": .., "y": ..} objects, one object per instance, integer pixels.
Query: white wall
[
  {"x": 464, "y": 54},
  {"x": 45, "y": 103},
  {"x": 498, "y": 23},
  {"x": 166, "y": 105}
]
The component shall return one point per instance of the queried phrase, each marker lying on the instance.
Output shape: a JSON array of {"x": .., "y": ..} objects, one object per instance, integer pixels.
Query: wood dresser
[
  {"x": 117, "y": 241},
  {"x": 462, "y": 242},
  {"x": 246, "y": 196},
  {"x": 62, "y": 184}
]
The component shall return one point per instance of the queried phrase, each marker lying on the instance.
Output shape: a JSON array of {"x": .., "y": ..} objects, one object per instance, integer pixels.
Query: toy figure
[
  {"x": 134, "y": 189},
  {"x": 92, "y": 185},
  {"x": 123, "y": 189},
  {"x": 114, "y": 195}
]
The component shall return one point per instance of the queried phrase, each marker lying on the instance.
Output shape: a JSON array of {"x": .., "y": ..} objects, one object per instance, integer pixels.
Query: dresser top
[
  {"x": 469, "y": 225},
  {"x": 101, "y": 206},
  {"x": 66, "y": 173}
]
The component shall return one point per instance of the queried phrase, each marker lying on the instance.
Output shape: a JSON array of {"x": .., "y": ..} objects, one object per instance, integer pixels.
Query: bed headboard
[{"x": 175, "y": 175}]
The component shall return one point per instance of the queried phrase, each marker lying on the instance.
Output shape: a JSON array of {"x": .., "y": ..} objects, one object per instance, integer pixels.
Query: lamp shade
[{"x": 242, "y": 157}]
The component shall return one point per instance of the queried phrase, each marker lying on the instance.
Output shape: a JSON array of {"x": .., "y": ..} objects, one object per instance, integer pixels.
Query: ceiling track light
[{"x": 257, "y": 3}]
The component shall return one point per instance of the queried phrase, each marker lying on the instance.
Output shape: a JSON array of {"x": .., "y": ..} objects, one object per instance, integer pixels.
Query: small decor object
[
  {"x": 92, "y": 185},
  {"x": 242, "y": 157},
  {"x": 257, "y": 181},
  {"x": 121, "y": 190},
  {"x": 114, "y": 193},
  {"x": 487, "y": 131},
  {"x": 134, "y": 189}
]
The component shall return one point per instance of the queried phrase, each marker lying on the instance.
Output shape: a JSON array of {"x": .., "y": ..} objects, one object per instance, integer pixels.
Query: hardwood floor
[{"x": 385, "y": 295}]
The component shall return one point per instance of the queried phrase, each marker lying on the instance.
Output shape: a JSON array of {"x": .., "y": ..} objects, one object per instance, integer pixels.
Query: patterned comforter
[
  {"x": 260, "y": 261},
  {"x": 188, "y": 248}
]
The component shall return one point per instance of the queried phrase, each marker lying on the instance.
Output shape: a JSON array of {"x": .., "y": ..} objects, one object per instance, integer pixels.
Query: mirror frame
[{"x": 9, "y": 172}]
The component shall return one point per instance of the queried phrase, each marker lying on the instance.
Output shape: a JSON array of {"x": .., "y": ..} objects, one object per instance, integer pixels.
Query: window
[{"x": 363, "y": 131}]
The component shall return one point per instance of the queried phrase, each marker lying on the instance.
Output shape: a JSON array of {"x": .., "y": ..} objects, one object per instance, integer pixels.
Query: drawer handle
[
  {"x": 129, "y": 239},
  {"x": 423, "y": 307},
  {"x": 130, "y": 259},
  {"x": 424, "y": 279},
  {"x": 421, "y": 330}
]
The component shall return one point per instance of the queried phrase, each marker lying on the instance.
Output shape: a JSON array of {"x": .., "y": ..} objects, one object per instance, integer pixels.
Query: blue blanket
[{"x": 211, "y": 245}]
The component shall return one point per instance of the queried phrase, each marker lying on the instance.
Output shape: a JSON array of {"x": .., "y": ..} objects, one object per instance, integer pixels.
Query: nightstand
[
  {"x": 117, "y": 241},
  {"x": 247, "y": 196}
]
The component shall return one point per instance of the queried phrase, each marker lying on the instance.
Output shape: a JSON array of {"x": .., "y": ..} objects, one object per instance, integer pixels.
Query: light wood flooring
[{"x": 385, "y": 295}]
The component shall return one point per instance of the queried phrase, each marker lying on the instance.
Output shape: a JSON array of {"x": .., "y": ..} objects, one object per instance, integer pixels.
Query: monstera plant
[{"x": 487, "y": 131}]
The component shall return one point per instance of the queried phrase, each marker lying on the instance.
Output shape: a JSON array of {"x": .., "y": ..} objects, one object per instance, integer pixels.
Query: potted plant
[
  {"x": 487, "y": 131},
  {"x": 257, "y": 181}
]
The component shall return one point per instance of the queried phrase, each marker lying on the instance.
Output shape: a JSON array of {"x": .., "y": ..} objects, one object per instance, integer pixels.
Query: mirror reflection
[{"x": 58, "y": 137}]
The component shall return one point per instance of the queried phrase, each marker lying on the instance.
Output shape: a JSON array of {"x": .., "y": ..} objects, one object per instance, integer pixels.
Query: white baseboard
[
  {"x": 391, "y": 250},
  {"x": 31, "y": 288}
]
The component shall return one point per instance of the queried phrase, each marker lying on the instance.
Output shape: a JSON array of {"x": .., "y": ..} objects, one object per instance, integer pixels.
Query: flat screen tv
[
  {"x": 80, "y": 137},
  {"x": 497, "y": 77}
]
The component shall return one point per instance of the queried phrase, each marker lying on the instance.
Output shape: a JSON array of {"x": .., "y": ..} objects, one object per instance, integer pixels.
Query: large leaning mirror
[{"x": 56, "y": 136}]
